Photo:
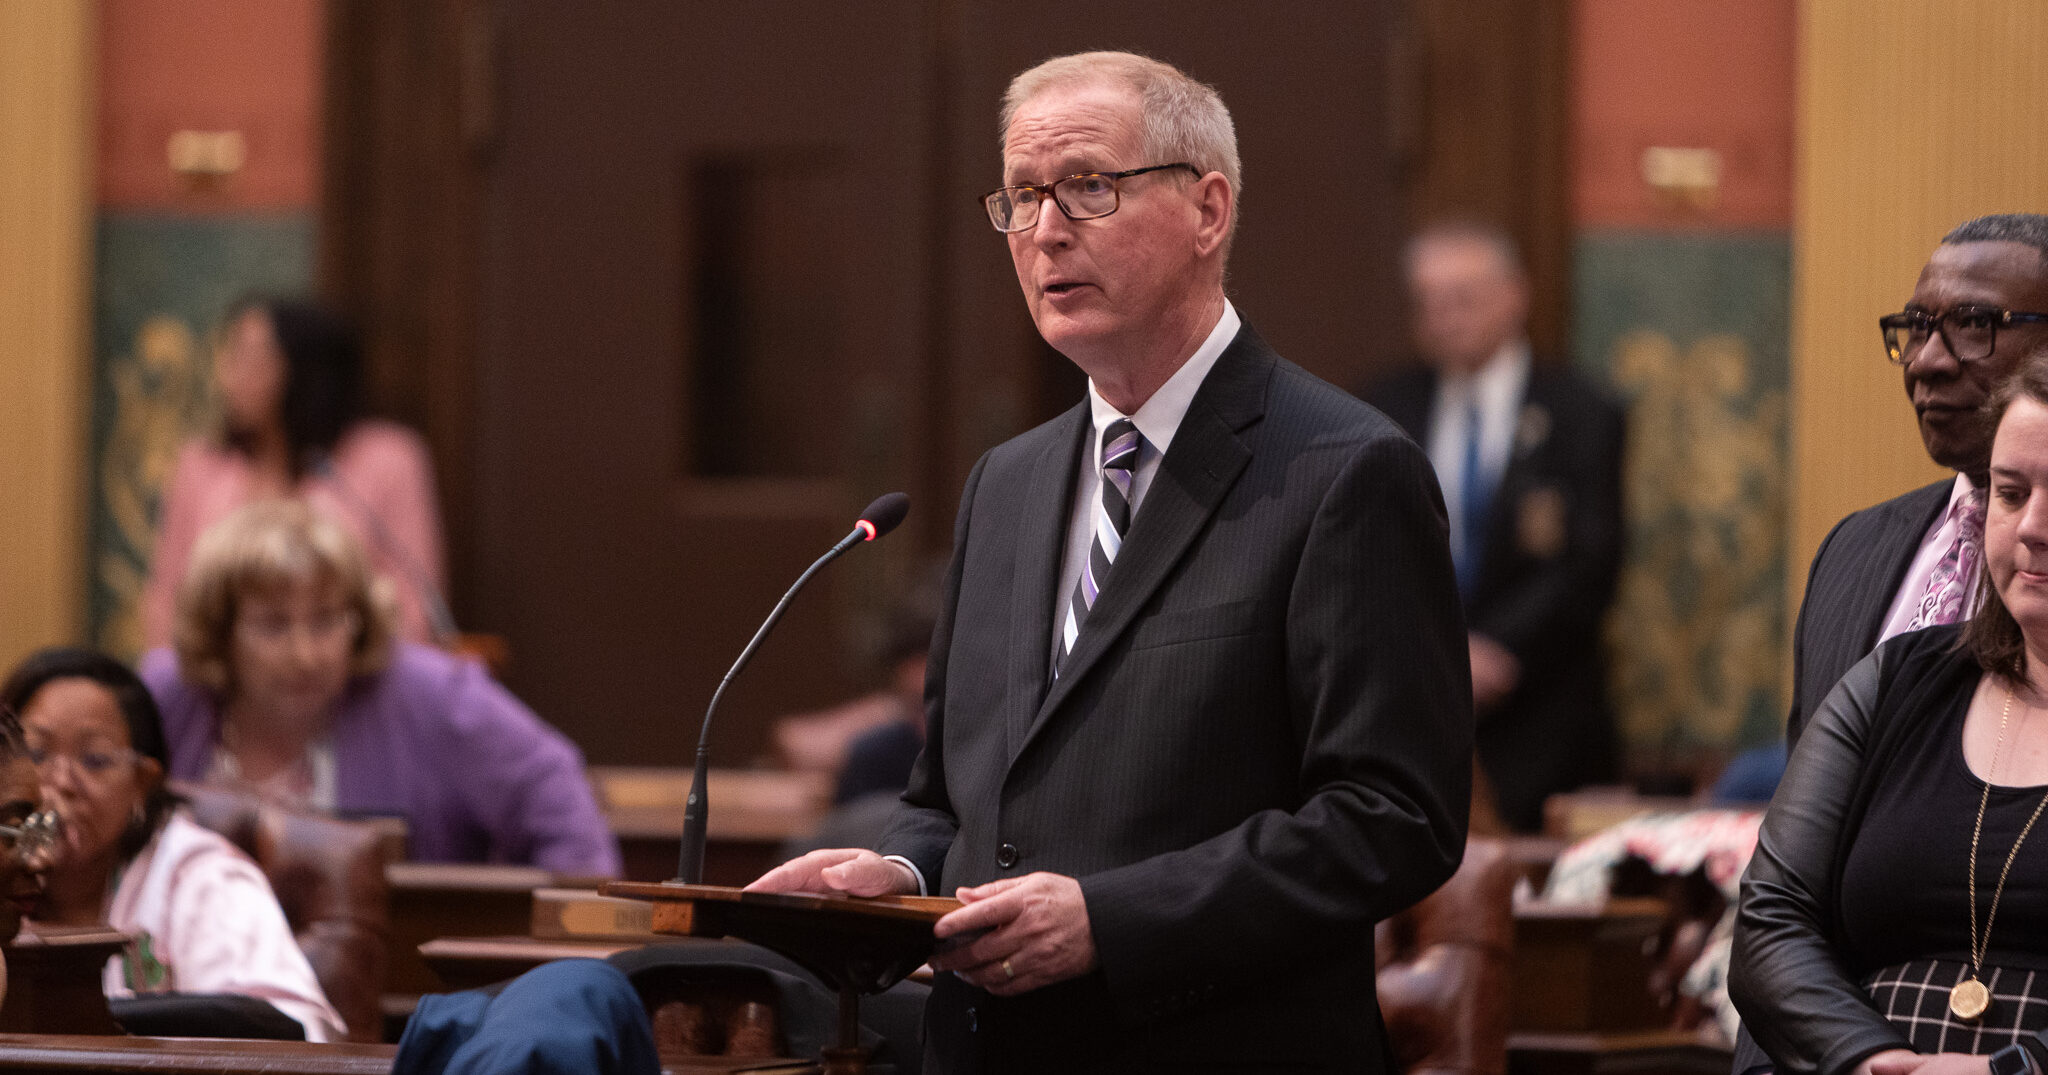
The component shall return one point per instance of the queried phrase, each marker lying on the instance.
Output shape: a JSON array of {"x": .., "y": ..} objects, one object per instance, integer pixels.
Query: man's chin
[{"x": 1962, "y": 458}]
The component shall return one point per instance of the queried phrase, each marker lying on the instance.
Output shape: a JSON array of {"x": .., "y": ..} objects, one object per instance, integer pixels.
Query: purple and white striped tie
[
  {"x": 1112, "y": 519},
  {"x": 1949, "y": 584}
]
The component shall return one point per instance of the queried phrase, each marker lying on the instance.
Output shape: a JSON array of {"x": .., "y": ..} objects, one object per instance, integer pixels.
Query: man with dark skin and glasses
[{"x": 1980, "y": 304}]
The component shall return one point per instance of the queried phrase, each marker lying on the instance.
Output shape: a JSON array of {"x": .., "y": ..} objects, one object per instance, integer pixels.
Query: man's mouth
[{"x": 1063, "y": 287}]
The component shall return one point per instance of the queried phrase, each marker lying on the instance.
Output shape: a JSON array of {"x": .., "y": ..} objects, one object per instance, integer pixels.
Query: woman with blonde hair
[{"x": 285, "y": 681}]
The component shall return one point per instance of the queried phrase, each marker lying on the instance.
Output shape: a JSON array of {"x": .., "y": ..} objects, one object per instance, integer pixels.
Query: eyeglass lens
[
  {"x": 1968, "y": 333},
  {"x": 1080, "y": 197}
]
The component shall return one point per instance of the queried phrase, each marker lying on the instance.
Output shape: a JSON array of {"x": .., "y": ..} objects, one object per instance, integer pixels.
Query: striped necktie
[{"x": 1112, "y": 520}]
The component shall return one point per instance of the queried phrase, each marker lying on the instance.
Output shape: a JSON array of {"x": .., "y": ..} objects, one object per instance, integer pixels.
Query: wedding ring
[{"x": 1009, "y": 972}]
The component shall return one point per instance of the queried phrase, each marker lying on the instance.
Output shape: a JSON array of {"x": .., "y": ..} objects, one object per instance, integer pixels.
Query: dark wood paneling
[
  {"x": 408, "y": 131},
  {"x": 517, "y": 203},
  {"x": 657, "y": 166},
  {"x": 1490, "y": 133}
]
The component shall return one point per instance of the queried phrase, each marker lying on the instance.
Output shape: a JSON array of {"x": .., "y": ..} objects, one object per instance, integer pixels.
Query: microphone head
[{"x": 885, "y": 514}]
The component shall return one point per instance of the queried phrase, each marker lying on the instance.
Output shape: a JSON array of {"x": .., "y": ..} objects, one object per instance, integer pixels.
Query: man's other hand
[
  {"x": 1033, "y": 931},
  {"x": 1495, "y": 672},
  {"x": 839, "y": 871}
]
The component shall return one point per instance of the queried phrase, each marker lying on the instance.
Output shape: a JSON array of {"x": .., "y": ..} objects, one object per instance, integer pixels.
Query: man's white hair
[{"x": 1184, "y": 119}]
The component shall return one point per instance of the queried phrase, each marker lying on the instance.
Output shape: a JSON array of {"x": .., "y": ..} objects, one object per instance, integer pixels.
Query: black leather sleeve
[{"x": 1787, "y": 979}]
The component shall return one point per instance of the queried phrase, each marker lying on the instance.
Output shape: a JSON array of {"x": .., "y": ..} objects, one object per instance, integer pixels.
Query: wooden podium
[
  {"x": 54, "y": 981},
  {"x": 853, "y": 945}
]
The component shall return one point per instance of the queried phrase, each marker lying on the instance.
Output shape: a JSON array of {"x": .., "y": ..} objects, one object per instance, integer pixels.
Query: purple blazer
[{"x": 435, "y": 740}]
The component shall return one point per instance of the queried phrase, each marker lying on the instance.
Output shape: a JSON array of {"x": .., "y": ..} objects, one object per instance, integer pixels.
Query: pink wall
[
  {"x": 1687, "y": 74},
  {"x": 252, "y": 66}
]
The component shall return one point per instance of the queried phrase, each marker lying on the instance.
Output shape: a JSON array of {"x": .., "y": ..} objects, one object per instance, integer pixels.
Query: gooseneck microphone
[{"x": 882, "y": 516}]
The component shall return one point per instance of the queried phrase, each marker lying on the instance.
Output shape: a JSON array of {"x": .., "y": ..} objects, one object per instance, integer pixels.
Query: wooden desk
[
  {"x": 53, "y": 1054},
  {"x": 1585, "y": 969},
  {"x": 474, "y": 962},
  {"x": 753, "y": 812},
  {"x": 1575, "y": 815},
  {"x": 432, "y": 900},
  {"x": 54, "y": 981},
  {"x": 1652, "y": 1052}
]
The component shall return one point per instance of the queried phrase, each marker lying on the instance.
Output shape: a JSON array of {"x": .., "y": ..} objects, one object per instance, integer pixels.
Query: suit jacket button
[{"x": 1006, "y": 856}]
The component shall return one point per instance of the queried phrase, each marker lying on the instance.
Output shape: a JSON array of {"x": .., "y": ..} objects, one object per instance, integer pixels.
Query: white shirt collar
[
  {"x": 1496, "y": 386},
  {"x": 1158, "y": 419}
]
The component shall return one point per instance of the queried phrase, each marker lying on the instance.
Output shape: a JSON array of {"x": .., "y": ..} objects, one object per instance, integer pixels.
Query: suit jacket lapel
[
  {"x": 1203, "y": 462},
  {"x": 1908, "y": 528},
  {"x": 1535, "y": 418},
  {"x": 1040, "y": 549}
]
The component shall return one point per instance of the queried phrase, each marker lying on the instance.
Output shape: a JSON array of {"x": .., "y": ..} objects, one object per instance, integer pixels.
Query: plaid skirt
[{"x": 1914, "y": 996}]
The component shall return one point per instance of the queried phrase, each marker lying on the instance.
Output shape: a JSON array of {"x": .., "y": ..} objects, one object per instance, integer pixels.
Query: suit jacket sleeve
[
  {"x": 1796, "y": 997},
  {"x": 1379, "y": 694},
  {"x": 1560, "y": 603},
  {"x": 1797, "y": 720}
]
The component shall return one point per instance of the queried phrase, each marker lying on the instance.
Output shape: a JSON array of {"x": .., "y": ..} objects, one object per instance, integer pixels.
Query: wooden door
[{"x": 702, "y": 289}]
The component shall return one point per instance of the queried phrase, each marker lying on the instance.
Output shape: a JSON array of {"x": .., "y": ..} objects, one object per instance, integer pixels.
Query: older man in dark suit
[
  {"x": 1529, "y": 455},
  {"x": 1197, "y": 708},
  {"x": 1910, "y": 562}
]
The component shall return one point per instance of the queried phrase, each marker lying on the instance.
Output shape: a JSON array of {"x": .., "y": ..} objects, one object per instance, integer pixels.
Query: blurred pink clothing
[{"x": 382, "y": 470}]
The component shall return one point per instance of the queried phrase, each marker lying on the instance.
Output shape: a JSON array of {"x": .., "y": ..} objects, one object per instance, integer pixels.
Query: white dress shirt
[
  {"x": 1498, "y": 388},
  {"x": 1157, "y": 420}
]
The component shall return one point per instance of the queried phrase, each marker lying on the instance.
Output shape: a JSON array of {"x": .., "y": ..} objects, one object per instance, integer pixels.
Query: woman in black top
[{"x": 1895, "y": 917}]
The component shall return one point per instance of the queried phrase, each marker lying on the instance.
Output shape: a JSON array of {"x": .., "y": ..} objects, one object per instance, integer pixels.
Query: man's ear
[{"x": 1217, "y": 205}]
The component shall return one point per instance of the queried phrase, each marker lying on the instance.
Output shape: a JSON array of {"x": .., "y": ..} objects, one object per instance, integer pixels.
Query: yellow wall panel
[
  {"x": 1913, "y": 117},
  {"x": 45, "y": 241}
]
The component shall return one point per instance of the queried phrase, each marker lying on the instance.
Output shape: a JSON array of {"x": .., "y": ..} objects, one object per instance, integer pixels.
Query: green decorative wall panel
[
  {"x": 1694, "y": 331},
  {"x": 162, "y": 282}
]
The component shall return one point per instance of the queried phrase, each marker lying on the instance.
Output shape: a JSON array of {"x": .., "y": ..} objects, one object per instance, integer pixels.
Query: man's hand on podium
[
  {"x": 839, "y": 871},
  {"x": 1033, "y": 931}
]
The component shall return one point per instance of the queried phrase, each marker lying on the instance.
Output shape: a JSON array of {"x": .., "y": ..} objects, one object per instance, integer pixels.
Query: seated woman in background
[
  {"x": 201, "y": 915},
  {"x": 286, "y": 683},
  {"x": 1897, "y": 904},
  {"x": 289, "y": 378}
]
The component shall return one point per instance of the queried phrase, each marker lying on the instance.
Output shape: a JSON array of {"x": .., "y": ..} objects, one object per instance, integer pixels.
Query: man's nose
[
  {"x": 1934, "y": 357},
  {"x": 1054, "y": 227}
]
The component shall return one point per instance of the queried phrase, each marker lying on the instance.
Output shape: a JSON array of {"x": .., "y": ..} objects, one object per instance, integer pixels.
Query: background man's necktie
[{"x": 1474, "y": 490}]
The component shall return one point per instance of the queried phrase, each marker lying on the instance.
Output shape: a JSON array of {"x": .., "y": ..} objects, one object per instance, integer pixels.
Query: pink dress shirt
[{"x": 382, "y": 469}]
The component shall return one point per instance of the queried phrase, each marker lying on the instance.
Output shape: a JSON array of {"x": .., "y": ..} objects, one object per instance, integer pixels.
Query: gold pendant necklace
[{"x": 1971, "y": 998}]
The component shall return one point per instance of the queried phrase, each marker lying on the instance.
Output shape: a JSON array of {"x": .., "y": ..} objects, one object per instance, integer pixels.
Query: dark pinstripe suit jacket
[
  {"x": 1259, "y": 747},
  {"x": 1852, "y": 582}
]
